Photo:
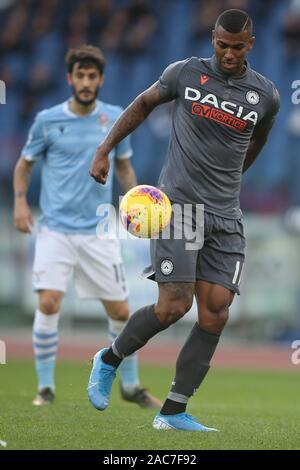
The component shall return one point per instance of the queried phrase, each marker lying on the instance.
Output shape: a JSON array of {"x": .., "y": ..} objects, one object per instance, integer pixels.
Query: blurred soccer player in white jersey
[{"x": 65, "y": 138}]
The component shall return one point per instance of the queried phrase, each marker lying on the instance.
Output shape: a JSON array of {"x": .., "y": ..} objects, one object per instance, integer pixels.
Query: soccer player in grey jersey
[{"x": 223, "y": 114}]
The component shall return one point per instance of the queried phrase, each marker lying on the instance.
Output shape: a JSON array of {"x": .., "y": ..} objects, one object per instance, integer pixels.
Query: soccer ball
[{"x": 145, "y": 211}]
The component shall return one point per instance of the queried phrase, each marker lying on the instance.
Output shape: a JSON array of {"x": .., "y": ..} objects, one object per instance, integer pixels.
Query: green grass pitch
[{"x": 252, "y": 410}]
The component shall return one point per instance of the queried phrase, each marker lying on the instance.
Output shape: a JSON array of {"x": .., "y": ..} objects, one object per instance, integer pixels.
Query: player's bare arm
[
  {"x": 125, "y": 174},
  {"x": 258, "y": 140},
  {"x": 129, "y": 120},
  {"x": 23, "y": 219}
]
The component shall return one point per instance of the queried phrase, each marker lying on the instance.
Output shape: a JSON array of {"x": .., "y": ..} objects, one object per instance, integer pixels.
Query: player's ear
[
  {"x": 69, "y": 78},
  {"x": 102, "y": 78},
  {"x": 213, "y": 35},
  {"x": 251, "y": 43}
]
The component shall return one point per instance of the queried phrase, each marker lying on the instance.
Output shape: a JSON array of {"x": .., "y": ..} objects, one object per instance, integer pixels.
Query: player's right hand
[
  {"x": 23, "y": 219},
  {"x": 100, "y": 166}
]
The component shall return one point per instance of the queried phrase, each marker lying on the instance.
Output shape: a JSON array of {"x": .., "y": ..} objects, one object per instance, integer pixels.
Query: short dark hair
[
  {"x": 86, "y": 56},
  {"x": 235, "y": 21}
]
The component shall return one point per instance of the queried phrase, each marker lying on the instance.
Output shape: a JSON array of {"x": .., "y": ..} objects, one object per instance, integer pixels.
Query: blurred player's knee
[
  {"x": 49, "y": 301},
  {"x": 117, "y": 310}
]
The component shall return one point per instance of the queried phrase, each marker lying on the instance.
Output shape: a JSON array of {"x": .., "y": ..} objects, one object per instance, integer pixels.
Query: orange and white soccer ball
[{"x": 145, "y": 211}]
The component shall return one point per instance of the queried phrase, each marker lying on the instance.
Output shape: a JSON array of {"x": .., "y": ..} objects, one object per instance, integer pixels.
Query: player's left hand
[{"x": 100, "y": 166}]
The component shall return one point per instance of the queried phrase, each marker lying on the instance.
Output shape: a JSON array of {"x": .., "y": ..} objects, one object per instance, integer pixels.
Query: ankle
[
  {"x": 110, "y": 358},
  {"x": 171, "y": 407}
]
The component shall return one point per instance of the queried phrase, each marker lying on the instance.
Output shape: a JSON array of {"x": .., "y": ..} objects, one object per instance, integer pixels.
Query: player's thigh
[
  {"x": 100, "y": 273},
  {"x": 171, "y": 262},
  {"x": 175, "y": 292},
  {"x": 222, "y": 257},
  {"x": 212, "y": 297},
  {"x": 174, "y": 301},
  {"x": 213, "y": 303},
  {"x": 53, "y": 261}
]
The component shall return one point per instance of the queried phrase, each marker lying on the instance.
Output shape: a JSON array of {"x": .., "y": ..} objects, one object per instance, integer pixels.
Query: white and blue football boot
[
  {"x": 101, "y": 380},
  {"x": 180, "y": 422}
]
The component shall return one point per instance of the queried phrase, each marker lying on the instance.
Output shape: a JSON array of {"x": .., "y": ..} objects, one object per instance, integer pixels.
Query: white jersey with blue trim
[{"x": 66, "y": 144}]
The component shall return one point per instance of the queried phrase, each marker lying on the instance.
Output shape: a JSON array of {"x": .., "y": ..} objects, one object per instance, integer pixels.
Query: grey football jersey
[{"x": 213, "y": 121}]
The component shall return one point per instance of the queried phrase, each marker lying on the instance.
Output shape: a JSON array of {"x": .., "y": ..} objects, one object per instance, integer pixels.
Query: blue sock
[
  {"x": 45, "y": 342},
  {"x": 128, "y": 368}
]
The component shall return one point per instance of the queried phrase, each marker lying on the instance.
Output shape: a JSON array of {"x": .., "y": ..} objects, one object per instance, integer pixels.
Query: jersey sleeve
[
  {"x": 274, "y": 104},
  {"x": 167, "y": 84},
  {"x": 36, "y": 142},
  {"x": 124, "y": 149}
]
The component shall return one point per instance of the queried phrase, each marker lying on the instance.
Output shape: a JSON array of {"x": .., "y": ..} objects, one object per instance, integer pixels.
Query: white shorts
[{"x": 96, "y": 265}]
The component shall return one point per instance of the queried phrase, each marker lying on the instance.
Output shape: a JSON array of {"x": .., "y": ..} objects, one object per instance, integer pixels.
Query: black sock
[
  {"x": 171, "y": 407},
  {"x": 193, "y": 362},
  {"x": 111, "y": 359},
  {"x": 141, "y": 327}
]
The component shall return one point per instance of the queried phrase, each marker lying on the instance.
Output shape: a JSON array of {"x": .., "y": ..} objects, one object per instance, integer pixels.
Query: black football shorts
[{"x": 219, "y": 261}]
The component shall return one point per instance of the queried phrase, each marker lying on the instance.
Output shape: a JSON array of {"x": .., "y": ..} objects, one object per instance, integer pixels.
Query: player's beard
[{"x": 87, "y": 102}]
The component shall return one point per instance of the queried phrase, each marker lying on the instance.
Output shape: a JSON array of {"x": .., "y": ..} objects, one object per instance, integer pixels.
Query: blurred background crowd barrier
[{"x": 140, "y": 38}]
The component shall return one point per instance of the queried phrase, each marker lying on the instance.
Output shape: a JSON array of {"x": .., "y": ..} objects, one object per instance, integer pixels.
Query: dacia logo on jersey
[{"x": 224, "y": 112}]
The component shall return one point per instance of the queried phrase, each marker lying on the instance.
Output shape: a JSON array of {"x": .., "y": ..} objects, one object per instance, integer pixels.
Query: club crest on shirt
[
  {"x": 104, "y": 121},
  {"x": 252, "y": 97}
]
